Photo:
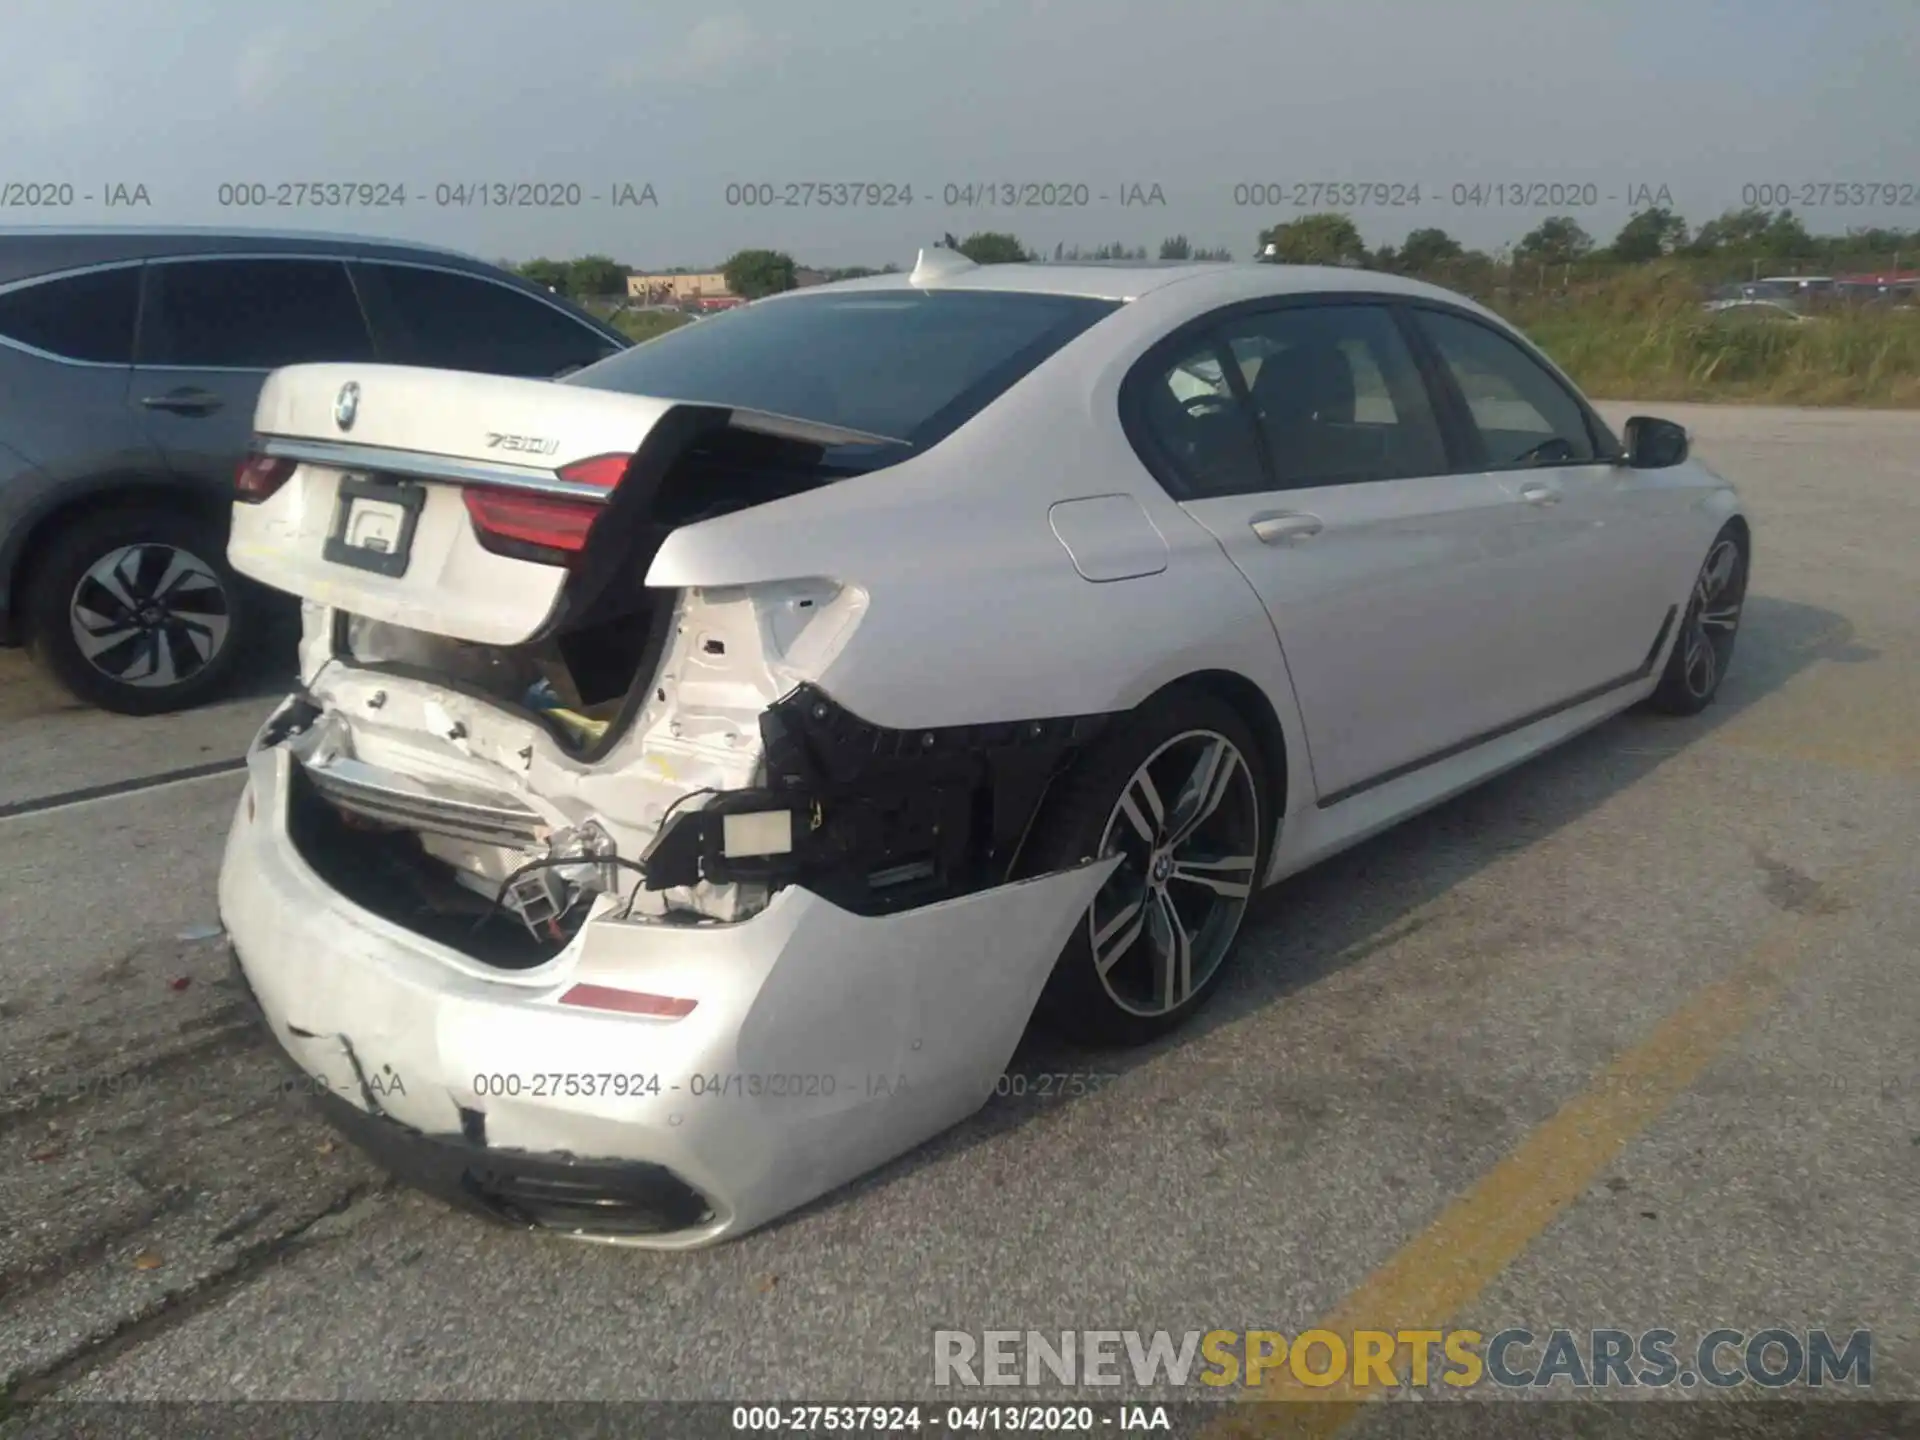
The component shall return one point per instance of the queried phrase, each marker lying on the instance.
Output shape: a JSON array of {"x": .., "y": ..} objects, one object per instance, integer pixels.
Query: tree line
[
  {"x": 1737, "y": 241},
  {"x": 1738, "y": 238}
]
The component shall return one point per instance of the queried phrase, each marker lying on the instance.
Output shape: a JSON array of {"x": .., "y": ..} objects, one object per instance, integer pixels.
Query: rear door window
[
  {"x": 1336, "y": 394},
  {"x": 77, "y": 317},
  {"x": 1194, "y": 425},
  {"x": 1286, "y": 398},
  {"x": 251, "y": 315}
]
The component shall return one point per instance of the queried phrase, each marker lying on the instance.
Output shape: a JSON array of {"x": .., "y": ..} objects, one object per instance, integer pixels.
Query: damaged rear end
[
  {"x": 578, "y": 860},
  {"x": 498, "y": 712}
]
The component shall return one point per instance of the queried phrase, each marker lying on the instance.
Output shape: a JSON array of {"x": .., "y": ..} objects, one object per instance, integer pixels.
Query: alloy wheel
[
  {"x": 1187, "y": 830},
  {"x": 149, "y": 615},
  {"x": 1713, "y": 616}
]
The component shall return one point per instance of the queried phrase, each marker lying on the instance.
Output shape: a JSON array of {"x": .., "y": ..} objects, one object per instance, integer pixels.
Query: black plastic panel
[{"x": 882, "y": 819}]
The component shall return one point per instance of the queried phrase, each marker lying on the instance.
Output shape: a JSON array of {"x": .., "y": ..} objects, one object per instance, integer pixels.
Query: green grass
[
  {"x": 646, "y": 324},
  {"x": 1644, "y": 336}
]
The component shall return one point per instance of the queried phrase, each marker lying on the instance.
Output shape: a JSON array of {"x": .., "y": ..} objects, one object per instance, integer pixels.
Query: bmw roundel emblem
[{"x": 347, "y": 405}]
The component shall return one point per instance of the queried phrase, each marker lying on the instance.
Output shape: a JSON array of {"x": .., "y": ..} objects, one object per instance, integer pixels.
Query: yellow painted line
[{"x": 1439, "y": 1272}]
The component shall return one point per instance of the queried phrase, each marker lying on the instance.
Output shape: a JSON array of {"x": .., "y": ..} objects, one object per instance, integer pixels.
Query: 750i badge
[{"x": 526, "y": 444}]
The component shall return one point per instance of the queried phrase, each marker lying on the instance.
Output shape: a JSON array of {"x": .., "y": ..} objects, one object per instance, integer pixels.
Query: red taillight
[
  {"x": 260, "y": 475},
  {"x": 531, "y": 525},
  {"x": 544, "y": 522},
  {"x": 602, "y": 471}
]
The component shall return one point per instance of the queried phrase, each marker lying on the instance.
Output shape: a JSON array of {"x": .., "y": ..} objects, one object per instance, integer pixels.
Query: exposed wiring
[
  {"x": 550, "y": 862},
  {"x": 690, "y": 795},
  {"x": 626, "y": 912}
]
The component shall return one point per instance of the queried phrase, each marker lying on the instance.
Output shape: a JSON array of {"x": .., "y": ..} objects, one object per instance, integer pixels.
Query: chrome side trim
[
  {"x": 419, "y": 465},
  {"x": 46, "y": 277},
  {"x": 346, "y": 255},
  {"x": 1532, "y": 717}
]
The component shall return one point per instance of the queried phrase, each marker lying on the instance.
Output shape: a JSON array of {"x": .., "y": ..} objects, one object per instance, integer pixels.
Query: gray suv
[{"x": 130, "y": 361}]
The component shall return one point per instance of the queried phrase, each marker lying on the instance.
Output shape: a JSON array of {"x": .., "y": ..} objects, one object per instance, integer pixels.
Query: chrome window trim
[
  {"x": 347, "y": 258},
  {"x": 47, "y": 279},
  {"x": 418, "y": 464}
]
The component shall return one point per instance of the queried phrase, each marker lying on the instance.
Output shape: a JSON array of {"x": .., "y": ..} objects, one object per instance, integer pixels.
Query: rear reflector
[
  {"x": 627, "y": 1002},
  {"x": 549, "y": 529},
  {"x": 260, "y": 475}
]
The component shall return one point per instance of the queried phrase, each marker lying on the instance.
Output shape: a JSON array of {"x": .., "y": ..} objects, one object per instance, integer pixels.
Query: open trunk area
[
  {"x": 577, "y": 683},
  {"x": 390, "y": 872}
]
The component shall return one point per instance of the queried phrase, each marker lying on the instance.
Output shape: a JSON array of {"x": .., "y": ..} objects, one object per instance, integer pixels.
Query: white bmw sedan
[{"x": 707, "y": 766}]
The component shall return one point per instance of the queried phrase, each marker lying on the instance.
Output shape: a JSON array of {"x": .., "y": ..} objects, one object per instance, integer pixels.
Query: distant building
[
  {"x": 803, "y": 277},
  {"x": 678, "y": 288}
]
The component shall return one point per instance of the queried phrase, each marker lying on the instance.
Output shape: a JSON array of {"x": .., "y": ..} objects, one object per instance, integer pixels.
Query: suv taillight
[
  {"x": 532, "y": 525},
  {"x": 260, "y": 475}
]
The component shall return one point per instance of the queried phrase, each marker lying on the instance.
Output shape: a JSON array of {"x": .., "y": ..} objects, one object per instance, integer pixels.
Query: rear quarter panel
[{"x": 976, "y": 612}]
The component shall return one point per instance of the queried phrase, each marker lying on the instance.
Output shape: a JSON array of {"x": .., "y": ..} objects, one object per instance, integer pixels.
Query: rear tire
[
  {"x": 136, "y": 611},
  {"x": 1704, "y": 647},
  {"x": 1164, "y": 926}
]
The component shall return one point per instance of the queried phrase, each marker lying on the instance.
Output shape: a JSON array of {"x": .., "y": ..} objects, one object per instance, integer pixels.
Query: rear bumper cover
[
  {"x": 611, "y": 1199},
  {"x": 536, "y": 1191},
  {"x": 819, "y": 1044}
]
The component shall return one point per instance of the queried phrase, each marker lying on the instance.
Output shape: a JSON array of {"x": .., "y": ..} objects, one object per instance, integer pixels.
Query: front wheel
[
  {"x": 136, "y": 611},
  {"x": 1179, "y": 793},
  {"x": 1704, "y": 647}
]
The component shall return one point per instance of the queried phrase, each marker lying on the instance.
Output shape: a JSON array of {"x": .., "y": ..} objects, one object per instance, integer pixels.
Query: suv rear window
[
  {"x": 79, "y": 317},
  {"x": 907, "y": 364}
]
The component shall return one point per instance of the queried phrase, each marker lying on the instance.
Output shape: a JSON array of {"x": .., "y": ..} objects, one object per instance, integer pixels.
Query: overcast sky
[{"x": 1701, "y": 96}]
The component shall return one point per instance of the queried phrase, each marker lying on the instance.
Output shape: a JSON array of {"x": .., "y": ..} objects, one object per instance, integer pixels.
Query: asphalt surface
[{"x": 1726, "y": 909}]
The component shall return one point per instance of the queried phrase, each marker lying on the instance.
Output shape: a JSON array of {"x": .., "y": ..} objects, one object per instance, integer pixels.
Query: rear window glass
[{"x": 906, "y": 364}]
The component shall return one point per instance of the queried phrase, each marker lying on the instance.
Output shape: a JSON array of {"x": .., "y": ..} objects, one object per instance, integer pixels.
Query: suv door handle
[
  {"x": 188, "y": 400},
  {"x": 1538, "y": 494},
  {"x": 1278, "y": 526}
]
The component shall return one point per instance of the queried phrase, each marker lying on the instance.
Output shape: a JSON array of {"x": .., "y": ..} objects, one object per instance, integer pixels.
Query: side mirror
[{"x": 1654, "y": 444}]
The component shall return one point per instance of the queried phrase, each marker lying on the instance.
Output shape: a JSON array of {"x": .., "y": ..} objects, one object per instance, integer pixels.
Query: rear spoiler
[{"x": 788, "y": 427}]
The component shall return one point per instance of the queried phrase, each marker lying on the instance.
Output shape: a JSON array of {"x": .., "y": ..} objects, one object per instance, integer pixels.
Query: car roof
[
  {"x": 27, "y": 251},
  {"x": 1204, "y": 283}
]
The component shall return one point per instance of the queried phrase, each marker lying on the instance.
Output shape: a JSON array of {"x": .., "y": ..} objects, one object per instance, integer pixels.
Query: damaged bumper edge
[
  {"x": 611, "y": 1199},
  {"x": 807, "y": 1044}
]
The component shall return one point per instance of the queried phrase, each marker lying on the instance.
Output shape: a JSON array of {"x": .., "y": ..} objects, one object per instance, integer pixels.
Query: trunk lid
[{"x": 451, "y": 503}]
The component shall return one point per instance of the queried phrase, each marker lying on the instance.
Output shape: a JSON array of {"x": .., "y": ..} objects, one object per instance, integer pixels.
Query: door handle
[
  {"x": 1278, "y": 527},
  {"x": 186, "y": 401},
  {"x": 1538, "y": 494}
]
